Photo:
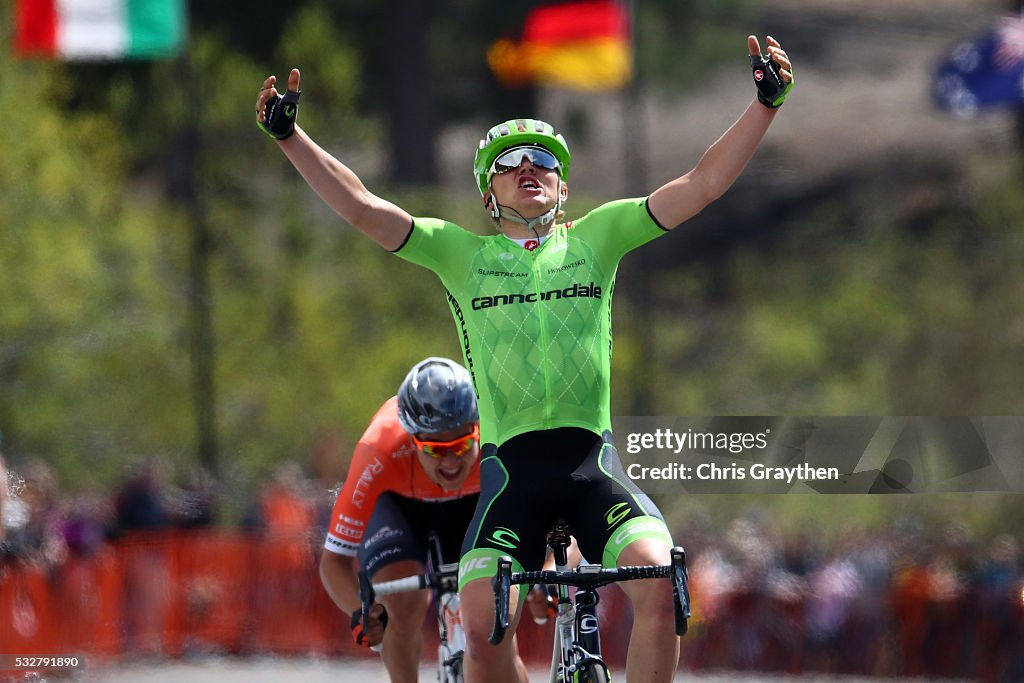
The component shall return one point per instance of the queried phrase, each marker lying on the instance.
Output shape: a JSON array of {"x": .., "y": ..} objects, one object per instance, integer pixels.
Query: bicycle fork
[
  {"x": 579, "y": 640},
  {"x": 562, "y": 656},
  {"x": 452, "y": 637},
  {"x": 452, "y": 643}
]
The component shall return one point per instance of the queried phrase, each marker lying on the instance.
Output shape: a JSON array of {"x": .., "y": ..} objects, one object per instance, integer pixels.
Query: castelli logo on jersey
[
  {"x": 530, "y": 245},
  {"x": 758, "y": 75}
]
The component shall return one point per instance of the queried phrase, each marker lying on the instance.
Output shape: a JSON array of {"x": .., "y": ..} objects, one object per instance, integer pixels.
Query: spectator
[
  {"x": 286, "y": 510},
  {"x": 140, "y": 503},
  {"x": 1000, "y": 598},
  {"x": 194, "y": 506},
  {"x": 84, "y": 525},
  {"x": 286, "y": 574},
  {"x": 3, "y": 499},
  {"x": 6, "y": 550},
  {"x": 36, "y": 534},
  {"x": 140, "y": 510}
]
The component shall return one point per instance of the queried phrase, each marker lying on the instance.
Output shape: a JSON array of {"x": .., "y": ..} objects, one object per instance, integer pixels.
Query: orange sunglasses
[{"x": 457, "y": 447}]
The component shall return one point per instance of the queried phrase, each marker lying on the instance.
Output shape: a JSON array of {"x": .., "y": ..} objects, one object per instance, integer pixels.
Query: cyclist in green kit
[{"x": 532, "y": 306}]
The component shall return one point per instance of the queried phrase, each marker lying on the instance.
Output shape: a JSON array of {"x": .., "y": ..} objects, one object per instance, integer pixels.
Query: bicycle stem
[{"x": 566, "y": 619}]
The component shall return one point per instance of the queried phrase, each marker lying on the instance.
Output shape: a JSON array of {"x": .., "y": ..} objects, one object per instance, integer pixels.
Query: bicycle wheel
[{"x": 592, "y": 673}]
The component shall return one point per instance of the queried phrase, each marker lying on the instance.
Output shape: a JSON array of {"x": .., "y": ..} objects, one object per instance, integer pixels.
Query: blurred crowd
[
  {"x": 152, "y": 568},
  {"x": 907, "y": 600},
  {"x": 43, "y": 524}
]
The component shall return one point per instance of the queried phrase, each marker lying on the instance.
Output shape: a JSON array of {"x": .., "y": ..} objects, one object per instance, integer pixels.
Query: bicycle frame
[
  {"x": 577, "y": 636},
  {"x": 577, "y": 646}
]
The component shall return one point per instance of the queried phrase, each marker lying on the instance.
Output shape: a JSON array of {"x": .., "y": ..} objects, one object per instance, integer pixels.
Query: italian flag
[
  {"x": 99, "y": 29},
  {"x": 584, "y": 44}
]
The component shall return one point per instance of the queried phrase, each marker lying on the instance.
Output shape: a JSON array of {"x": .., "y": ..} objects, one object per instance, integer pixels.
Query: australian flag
[{"x": 987, "y": 72}]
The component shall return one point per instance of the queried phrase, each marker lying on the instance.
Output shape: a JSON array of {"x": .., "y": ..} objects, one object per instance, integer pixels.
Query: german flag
[{"x": 583, "y": 45}]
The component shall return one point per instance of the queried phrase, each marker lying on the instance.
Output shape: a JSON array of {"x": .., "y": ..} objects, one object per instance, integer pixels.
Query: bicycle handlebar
[
  {"x": 409, "y": 583},
  {"x": 445, "y": 581},
  {"x": 590, "y": 577},
  {"x": 594, "y": 578}
]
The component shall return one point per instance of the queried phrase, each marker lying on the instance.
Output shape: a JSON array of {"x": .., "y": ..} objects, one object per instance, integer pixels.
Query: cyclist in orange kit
[{"x": 414, "y": 477}]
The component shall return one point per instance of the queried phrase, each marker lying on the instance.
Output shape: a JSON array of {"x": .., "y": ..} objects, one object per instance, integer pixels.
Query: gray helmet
[{"x": 436, "y": 396}]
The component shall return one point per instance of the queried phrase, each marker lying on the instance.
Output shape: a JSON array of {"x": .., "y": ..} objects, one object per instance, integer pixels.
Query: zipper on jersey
[{"x": 538, "y": 289}]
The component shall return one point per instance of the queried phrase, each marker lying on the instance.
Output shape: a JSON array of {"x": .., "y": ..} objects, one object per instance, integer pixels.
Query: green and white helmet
[{"x": 516, "y": 133}]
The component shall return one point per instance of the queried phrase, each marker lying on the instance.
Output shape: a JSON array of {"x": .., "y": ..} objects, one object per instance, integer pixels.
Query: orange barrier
[
  {"x": 28, "y": 608},
  {"x": 215, "y": 592},
  {"x": 214, "y": 571},
  {"x": 187, "y": 593},
  {"x": 89, "y": 592}
]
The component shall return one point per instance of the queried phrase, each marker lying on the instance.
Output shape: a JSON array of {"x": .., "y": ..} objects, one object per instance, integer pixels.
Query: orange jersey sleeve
[{"x": 384, "y": 460}]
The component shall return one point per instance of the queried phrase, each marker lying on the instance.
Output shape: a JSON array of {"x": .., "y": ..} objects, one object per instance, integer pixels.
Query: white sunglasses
[{"x": 510, "y": 160}]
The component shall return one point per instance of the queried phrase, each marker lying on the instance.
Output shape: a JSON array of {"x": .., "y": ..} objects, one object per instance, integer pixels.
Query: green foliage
[
  {"x": 857, "y": 309},
  {"x": 864, "y": 319},
  {"x": 679, "y": 40},
  {"x": 332, "y": 67},
  {"x": 88, "y": 357},
  {"x": 316, "y": 327}
]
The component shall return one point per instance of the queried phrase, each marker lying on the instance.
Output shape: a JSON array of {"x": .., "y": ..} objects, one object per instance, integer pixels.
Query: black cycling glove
[
  {"x": 279, "y": 115},
  {"x": 356, "y": 623},
  {"x": 771, "y": 89}
]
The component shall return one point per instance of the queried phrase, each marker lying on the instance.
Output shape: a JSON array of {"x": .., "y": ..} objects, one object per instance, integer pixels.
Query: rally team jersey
[
  {"x": 384, "y": 460},
  {"x": 535, "y": 326}
]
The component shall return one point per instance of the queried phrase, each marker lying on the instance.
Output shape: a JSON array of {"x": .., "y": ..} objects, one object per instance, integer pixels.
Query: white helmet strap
[{"x": 499, "y": 212}]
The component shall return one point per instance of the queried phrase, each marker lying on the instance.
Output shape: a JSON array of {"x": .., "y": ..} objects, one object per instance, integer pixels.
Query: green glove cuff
[
  {"x": 771, "y": 88},
  {"x": 279, "y": 115}
]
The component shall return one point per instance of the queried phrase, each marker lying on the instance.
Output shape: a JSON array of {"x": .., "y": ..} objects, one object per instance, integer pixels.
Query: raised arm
[
  {"x": 383, "y": 222},
  {"x": 683, "y": 198}
]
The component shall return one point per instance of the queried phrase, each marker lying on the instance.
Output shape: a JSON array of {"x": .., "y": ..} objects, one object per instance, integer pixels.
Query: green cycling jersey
[{"x": 535, "y": 326}]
